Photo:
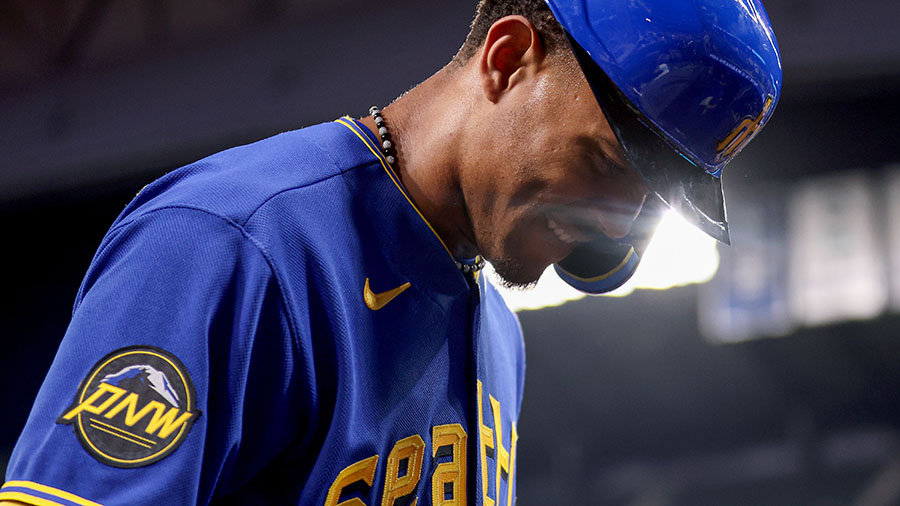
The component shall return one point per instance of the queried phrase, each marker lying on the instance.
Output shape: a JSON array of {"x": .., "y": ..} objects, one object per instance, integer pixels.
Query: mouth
[{"x": 560, "y": 232}]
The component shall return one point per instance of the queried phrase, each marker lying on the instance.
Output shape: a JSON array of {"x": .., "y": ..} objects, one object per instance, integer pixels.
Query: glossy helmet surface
[{"x": 685, "y": 85}]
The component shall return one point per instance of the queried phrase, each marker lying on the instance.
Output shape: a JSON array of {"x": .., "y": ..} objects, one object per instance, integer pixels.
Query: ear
[{"x": 512, "y": 50}]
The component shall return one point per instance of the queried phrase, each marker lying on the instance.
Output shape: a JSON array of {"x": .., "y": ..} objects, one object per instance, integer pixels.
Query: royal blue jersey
[{"x": 277, "y": 324}]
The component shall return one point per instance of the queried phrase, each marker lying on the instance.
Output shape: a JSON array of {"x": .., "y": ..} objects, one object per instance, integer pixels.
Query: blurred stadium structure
[{"x": 630, "y": 401}]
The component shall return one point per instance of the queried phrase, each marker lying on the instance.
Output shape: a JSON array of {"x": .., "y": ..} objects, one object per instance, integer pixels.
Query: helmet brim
[
  {"x": 605, "y": 264},
  {"x": 684, "y": 186}
]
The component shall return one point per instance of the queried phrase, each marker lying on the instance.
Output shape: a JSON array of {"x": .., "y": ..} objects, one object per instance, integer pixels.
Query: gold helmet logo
[{"x": 742, "y": 133}]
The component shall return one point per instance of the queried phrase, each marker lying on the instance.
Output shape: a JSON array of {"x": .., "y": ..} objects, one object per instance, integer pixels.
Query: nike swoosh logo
[{"x": 376, "y": 301}]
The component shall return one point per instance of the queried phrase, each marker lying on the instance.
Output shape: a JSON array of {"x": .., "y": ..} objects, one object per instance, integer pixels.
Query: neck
[{"x": 425, "y": 126}]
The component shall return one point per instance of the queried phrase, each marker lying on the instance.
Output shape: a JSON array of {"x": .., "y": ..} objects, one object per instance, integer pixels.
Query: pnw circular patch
[{"x": 135, "y": 406}]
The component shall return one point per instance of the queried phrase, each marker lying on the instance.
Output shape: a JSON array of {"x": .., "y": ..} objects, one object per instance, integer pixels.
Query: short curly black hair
[{"x": 489, "y": 11}]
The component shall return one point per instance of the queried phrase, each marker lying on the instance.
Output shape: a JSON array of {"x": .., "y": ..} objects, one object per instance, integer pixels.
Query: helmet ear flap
[{"x": 605, "y": 264}]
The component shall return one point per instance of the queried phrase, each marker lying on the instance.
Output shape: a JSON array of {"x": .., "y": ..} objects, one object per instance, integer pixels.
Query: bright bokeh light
[{"x": 678, "y": 255}]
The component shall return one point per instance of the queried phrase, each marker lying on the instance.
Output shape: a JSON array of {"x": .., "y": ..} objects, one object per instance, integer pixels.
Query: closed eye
[{"x": 593, "y": 152}]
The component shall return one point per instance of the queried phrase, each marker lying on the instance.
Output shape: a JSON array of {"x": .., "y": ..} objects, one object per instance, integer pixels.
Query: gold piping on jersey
[
  {"x": 348, "y": 122},
  {"x": 62, "y": 494}
]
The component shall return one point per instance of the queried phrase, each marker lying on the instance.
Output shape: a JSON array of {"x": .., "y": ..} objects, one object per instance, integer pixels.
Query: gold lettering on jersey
[
  {"x": 403, "y": 467},
  {"x": 502, "y": 458},
  {"x": 166, "y": 422},
  {"x": 363, "y": 470},
  {"x": 512, "y": 464},
  {"x": 412, "y": 450},
  {"x": 486, "y": 441},
  {"x": 88, "y": 404},
  {"x": 453, "y": 472},
  {"x": 169, "y": 421}
]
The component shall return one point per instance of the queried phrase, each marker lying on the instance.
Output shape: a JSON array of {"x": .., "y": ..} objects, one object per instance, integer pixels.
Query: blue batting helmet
[{"x": 685, "y": 85}]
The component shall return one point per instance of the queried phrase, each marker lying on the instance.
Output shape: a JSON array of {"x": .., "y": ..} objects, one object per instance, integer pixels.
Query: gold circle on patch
[{"x": 135, "y": 407}]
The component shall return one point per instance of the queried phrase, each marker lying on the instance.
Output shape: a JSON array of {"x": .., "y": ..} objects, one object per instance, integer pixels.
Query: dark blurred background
[{"x": 775, "y": 384}]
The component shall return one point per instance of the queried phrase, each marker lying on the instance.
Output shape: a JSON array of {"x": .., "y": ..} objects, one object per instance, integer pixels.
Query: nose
[
  {"x": 616, "y": 211},
  {"x": 615, "y": 218}
]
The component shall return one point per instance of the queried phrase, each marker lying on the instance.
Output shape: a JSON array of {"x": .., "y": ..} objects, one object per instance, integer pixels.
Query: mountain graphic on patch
[{"x": 143, "y": 375}]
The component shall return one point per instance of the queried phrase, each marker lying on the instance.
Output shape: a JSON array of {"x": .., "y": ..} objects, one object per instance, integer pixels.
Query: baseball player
[{"x": 302, "y": 320}]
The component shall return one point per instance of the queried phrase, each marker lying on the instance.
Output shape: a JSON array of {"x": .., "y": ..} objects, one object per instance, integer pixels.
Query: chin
[
  {"x": 523, "y": 255},
  {"x": 516, "y": 265},
  {"x": 514, "y": 274}
]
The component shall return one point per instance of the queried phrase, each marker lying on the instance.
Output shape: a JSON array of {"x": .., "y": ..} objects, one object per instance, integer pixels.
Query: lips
[{"x": 560, "y": 232}]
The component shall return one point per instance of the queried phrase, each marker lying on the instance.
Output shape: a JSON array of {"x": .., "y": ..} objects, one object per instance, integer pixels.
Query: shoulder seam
[
  {"x": 294, "y": 328},
  {"x": 325, "y": 154}
]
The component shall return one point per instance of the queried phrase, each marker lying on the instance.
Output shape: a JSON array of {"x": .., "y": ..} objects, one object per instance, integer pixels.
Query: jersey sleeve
[{"x": 179, "y": 355}]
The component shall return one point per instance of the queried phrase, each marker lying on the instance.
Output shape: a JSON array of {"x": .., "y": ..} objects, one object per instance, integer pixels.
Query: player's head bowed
[{"x": 574, "y": 124}]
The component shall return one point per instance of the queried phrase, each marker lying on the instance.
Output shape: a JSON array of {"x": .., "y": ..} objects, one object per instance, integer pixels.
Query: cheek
[
  {"x": 532, "y": 243},
  {"x": 512, "y": 188}
]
